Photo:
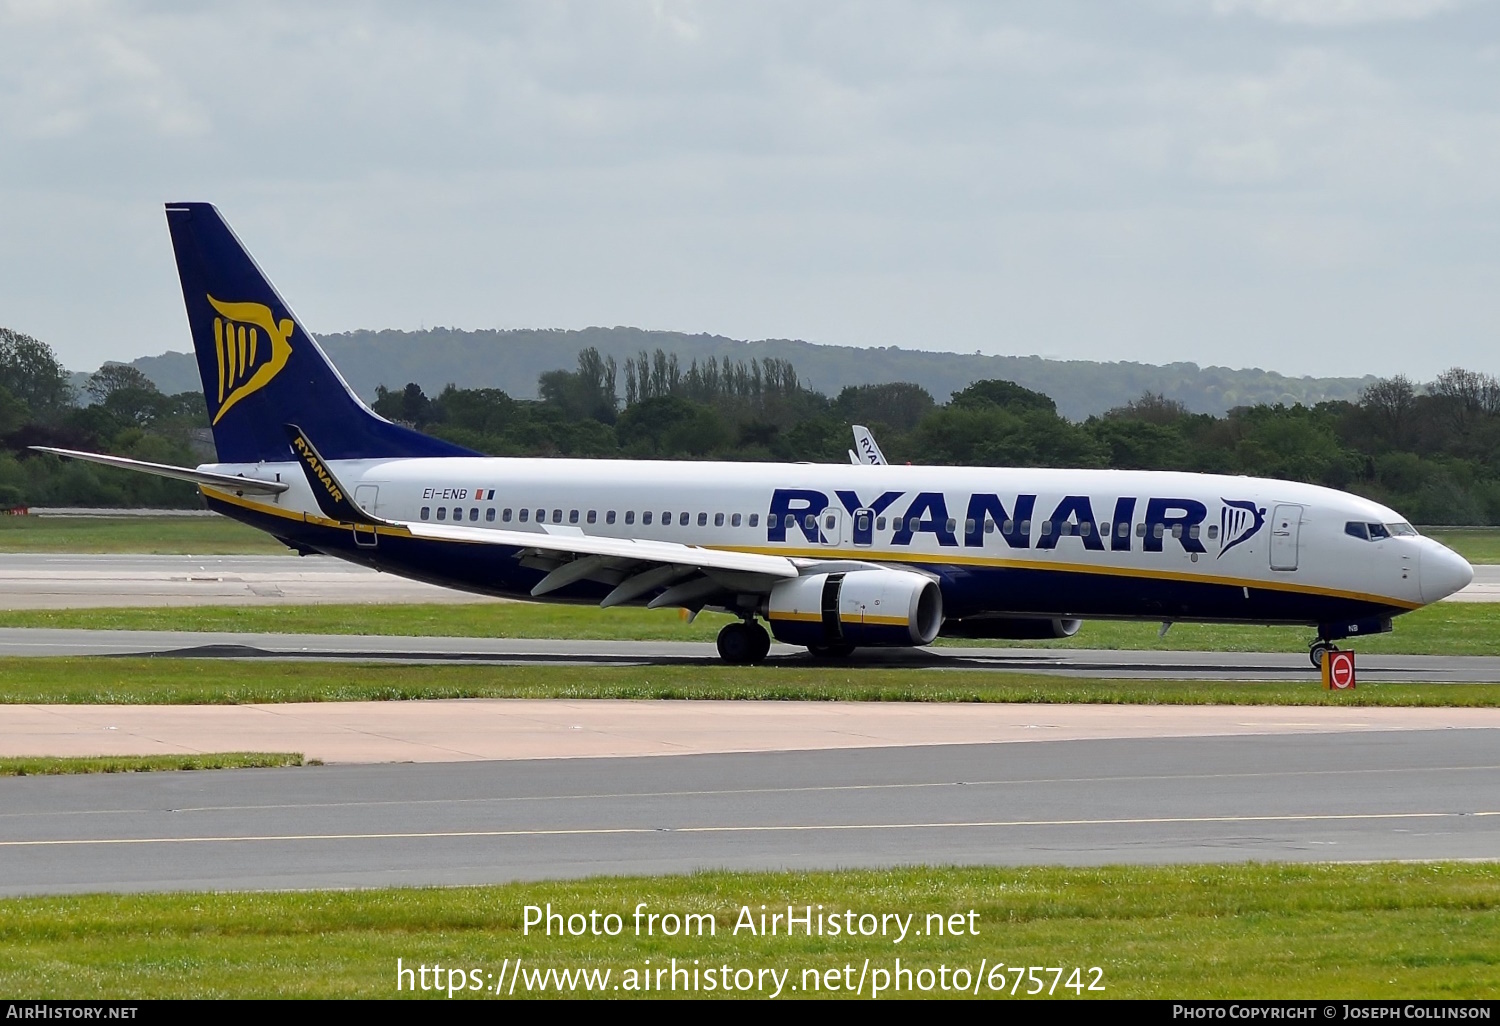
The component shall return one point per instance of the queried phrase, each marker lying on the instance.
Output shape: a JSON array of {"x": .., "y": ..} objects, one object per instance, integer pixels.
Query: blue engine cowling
[{"x": 890, "y": 608}]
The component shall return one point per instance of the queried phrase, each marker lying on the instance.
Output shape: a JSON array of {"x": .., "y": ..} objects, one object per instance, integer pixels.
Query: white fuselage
[{"x": 1121, "y": 528}]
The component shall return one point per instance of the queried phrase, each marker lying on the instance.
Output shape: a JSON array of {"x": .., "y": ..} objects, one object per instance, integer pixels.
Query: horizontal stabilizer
[{"x": 244, "y": 485}]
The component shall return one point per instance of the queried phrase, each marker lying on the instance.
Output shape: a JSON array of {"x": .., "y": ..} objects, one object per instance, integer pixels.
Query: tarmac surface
[
  {"x": 64, "y": 580},
  {"x": 1105, "y": 664},
  {"x": 1409, "y": 794},
  {"x": 509, "y": 729}
]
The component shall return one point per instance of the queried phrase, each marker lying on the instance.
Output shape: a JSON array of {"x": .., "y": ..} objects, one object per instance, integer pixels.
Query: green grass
[
  {"x": 1244, "y": 931},
  {"x": 27, "y": 766},
  {"x": 133, "y": 681},
  {"x": 200, "y": 536},
  {"x": 1447, "y": 628},
  {"x": 1476, "y": 544}
]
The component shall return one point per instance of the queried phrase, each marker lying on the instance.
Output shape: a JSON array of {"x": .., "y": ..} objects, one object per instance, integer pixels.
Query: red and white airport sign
[{"x": 1338, "y": 671}]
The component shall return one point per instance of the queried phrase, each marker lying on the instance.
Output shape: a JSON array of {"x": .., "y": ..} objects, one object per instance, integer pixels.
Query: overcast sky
[{"x": 1309, "y": 186}]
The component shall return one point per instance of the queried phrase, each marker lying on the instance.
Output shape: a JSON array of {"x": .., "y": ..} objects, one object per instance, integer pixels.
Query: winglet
[{"x": 333, "y": 498}]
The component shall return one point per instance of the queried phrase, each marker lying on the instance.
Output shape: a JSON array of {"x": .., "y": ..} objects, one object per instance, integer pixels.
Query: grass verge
[
  {"x": 1447, "y": 628},
  {"x": 1244, "y": 931},
  {"x": 199, "y": 536},
  {"x": 129, "y": 681},
  {"x": 51, "y": 767}
]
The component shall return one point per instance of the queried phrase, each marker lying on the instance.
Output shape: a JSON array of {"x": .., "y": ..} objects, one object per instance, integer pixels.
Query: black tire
[
  {"x": 762, "y": 642},
  {"x": 737, "y": 644},
  {"x": 1315, "y": 653}
]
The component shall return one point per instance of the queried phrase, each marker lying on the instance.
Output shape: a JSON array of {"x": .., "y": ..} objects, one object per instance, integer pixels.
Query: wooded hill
[{"x": 512, "y": 361}]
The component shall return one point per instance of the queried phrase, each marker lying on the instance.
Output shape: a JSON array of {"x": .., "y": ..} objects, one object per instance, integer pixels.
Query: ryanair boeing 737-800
[{"x": 831, "y": 557}]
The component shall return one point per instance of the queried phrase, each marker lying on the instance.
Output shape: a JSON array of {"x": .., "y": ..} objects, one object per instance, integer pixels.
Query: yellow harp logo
[{"x": 248, "y": 362}]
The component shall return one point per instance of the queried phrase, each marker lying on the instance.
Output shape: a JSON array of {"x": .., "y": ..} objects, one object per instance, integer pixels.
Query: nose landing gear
[
  {"x": 1315, "y": 652},
  {"x": 744, "y": 644}
]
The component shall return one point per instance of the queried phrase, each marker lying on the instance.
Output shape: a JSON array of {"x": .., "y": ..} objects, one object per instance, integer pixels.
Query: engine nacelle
[
  {"x": 861, "y": 607},
  {"x": 1010, "y": 628}
]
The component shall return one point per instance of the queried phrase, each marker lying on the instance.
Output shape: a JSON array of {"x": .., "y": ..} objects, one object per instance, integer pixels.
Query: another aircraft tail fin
[{"x": 260, "y": 367}]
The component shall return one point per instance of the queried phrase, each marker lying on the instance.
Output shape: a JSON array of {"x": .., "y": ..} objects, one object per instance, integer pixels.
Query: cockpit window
[{"x": 1379, "y": 532}]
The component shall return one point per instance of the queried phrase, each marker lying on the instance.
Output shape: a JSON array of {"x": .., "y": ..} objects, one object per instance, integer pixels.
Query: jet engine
[
  {"x": 891, "y": 608},
  {"x": 1011, "y": 628}
]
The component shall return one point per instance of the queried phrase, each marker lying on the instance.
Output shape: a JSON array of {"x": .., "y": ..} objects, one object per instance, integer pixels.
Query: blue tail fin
[{"x": 260, "y": 367}]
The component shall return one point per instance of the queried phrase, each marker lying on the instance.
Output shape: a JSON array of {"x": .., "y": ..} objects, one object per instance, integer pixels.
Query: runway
[
  {"x": 63, "y": 580},
  {"x": 1105, "y": 664},
  {"x": 1316, "y": 797}
]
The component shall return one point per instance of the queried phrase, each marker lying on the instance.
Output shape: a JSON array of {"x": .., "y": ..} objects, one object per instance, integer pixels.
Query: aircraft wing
[{"x": 692, "y": 575}]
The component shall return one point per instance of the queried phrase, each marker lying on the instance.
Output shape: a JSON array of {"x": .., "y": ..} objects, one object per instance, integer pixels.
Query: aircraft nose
[{"x": 1442, "y": 572}]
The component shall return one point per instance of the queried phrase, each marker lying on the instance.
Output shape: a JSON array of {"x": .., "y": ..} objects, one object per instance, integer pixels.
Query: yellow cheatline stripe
[
  {"x": 765, "y": 829},
  {"x": 798, "y": 617},
  {"x": 924, "y": 559}
]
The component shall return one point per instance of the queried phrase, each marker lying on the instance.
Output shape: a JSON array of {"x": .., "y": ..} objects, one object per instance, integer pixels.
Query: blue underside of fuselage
[{"x": 967, "y": 590}]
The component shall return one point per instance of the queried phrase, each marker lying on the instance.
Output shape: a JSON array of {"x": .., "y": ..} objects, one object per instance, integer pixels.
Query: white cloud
[{"x": 1337, "y": 12}]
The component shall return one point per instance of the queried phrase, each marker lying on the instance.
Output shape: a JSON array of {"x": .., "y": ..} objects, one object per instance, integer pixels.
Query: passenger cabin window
[
  {"x": 734, "y": 520},
  {"x": 426, "y": 512},
  {"x": 541, "y": 516},
  {"x": 952, "y": 525},
  {"x": 719, "y": 519},
  {"x": 1046, "y": 528},
  {"x": 666, "y": 520},
  {"x": 524, "y": 514},
  {"x": 1213, "y": 531},
  {"x": 880, "y": 523},
  {"x": 770, "y": 520},
  {"x": 442, "y": 512},
  {"x": 989, "y": 525},
  {"x": 489, "y": 515},
  {"x": 557, "y": 516},
  {"x": 1158, "y": 531},
  {"x": 646, "y": 518},
  {"x": 810, "y": 523},
  {"x": 630, "y": 516},
  {"x": 1193, "y": 531},
  {"x": 682, "y": 519},
  {"x": 572, "y": 516},
  {"x": 593, "y": 516},
  {"x": 1140, "y": 531},
  {"x": 609, "y": 517},
  {"x": 829, "y": 521},
  {"x": 703, "y": 519},
  {"x": 505, "y": 514},
  {"x": 754, "y": 517},
  {"x": 1086, "y": 528},
  {"x": 474, "y": 513}
]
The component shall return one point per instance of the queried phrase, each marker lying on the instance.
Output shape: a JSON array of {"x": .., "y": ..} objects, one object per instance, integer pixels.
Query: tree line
[{"x": 1430, "y": 450}]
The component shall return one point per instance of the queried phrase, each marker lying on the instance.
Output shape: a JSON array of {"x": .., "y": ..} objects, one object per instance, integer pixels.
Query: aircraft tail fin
[{"x": 260, "y": 367}]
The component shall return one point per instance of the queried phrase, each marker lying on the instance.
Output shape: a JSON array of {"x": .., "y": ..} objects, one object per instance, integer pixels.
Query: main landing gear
[{"x": 744, "y": 643}]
